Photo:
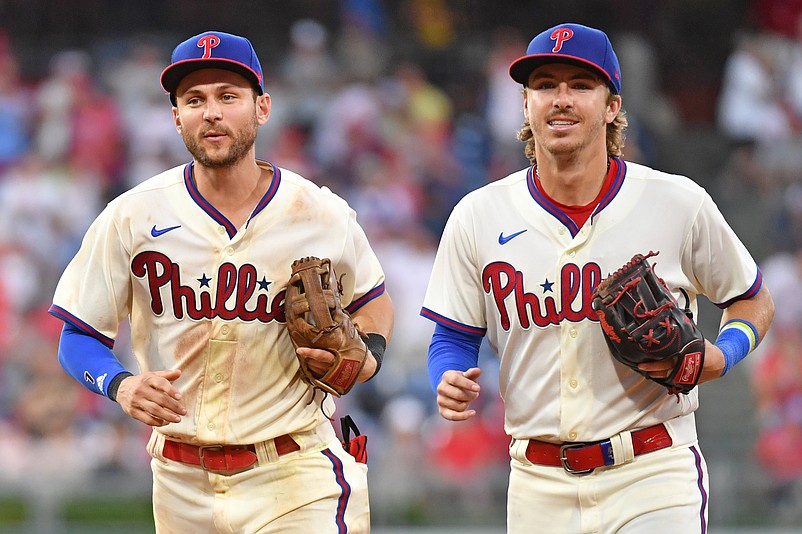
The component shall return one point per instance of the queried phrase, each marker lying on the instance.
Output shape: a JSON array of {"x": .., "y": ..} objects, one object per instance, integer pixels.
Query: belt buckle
[
  {"x": 222, "y": 450},
  {"x": 564, "y": 459}
]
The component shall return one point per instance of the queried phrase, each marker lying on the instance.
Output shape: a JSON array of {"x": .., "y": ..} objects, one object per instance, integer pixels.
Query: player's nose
[
  {"x": 212, "y": 110},
  {"x": 562, "y": 96}
]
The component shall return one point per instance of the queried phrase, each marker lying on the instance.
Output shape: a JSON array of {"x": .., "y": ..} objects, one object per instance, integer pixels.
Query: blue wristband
[{"x": 736, "y": 339}]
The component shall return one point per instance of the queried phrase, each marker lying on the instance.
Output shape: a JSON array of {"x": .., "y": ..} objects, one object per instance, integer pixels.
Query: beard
[{"x": 243, "y": 140}]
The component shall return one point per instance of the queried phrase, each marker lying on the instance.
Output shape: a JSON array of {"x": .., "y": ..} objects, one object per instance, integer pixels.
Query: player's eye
[{"x": 542, "y": 85}]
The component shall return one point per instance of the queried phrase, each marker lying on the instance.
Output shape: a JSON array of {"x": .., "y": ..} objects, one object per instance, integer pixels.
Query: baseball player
[
  {"x": 198, "y": 258},
  {"x": 596, "y": 447}
]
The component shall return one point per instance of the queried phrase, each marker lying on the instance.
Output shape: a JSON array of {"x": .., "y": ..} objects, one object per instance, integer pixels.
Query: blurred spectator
[
  {"x": 751, "y": 107},
  {"x": 755, "y": 112},
  {"x": 777, "y": 385},
  {"x": 433, "y": 22},
  {"x": 793, "y": 69},
  {"x": 777, "y": 16},
  {"x": 309, "y": 72},
  {"x": 15, "y": 108},
  {"x": 96, "y": 135},
  {"x": 55, "y": 98},
  {"x": 150, "y": 138},
  {"x": 503, "y": 109},
  {"x": 647, "y": 107}
]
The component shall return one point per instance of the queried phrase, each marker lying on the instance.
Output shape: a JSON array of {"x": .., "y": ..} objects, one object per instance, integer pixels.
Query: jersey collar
[{"x": 205, "y": 205}]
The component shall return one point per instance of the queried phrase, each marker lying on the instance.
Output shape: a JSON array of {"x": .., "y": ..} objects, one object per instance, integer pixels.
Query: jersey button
[
  {"x": 573, "y": 332},
  {"x": 224, "y": 330},
  {"x": 572, "y": 254},
  {"x": 573, "y": 383},
  {"x": 572, "y": 436},
  {"x": 229, "y": 251},
  {"x": 221, "y": 229},
  {"x": 210, "y": 426},
  {"x": 218, "y": 378}
]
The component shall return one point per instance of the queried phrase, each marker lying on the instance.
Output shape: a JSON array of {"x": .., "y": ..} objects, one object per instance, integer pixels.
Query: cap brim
[
  {"x": 173, "y": 74},
  {"x": 521, "y": 68}
]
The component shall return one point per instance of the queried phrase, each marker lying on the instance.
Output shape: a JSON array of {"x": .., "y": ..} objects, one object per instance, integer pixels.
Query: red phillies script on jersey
[
  {"x": 502, "y": 280},
  {"x": 240, "y": 283}
]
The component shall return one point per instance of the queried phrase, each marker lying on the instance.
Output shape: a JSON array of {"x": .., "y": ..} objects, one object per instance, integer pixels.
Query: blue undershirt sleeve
[
  {"x": 88, "y": 360},
  {"x": 451, "y": 349}
]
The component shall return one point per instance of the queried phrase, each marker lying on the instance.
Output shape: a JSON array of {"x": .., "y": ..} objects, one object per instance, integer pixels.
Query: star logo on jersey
[
  {"x": 264, "y": 283},
  {"x": 547, "y": 286},
  {"x": 156, "y": 232},
  {"x": 504, "y": 239}
]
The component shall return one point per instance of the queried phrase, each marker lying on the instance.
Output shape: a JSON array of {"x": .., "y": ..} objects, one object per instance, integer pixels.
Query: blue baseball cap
[
  {"x": 570, "y": 43},
  {"x": 213, "y": 50}
]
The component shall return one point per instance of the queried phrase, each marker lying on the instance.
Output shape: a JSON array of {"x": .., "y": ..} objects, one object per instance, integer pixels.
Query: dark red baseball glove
[{"x": 642, "y": 322}]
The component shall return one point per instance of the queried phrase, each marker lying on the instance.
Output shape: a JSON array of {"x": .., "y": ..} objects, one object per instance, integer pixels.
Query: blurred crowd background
[{"x": 401, "y": 107}]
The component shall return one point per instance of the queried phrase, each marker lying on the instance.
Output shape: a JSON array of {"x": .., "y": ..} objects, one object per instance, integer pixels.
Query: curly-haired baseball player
[
  {"x": 198, "y": 258},
  {"x": 597, "y": 446}
]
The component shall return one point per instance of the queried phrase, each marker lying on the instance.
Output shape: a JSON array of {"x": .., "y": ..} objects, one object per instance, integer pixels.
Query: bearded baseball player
[
  {"x": 583, "y": 271},
  {"x": 198, "y": 258}
]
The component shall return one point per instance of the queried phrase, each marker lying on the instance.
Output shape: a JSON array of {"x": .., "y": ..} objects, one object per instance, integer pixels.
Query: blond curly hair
[{"x": 616, "y": 136}]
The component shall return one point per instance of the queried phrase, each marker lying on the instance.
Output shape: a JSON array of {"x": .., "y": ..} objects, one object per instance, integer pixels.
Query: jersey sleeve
[
  {"x": 724, "y": 268},
  {"x": 367, "y": 281},
  {"x": 455, "y": 297},
  {"x": 94, "y": 292}
]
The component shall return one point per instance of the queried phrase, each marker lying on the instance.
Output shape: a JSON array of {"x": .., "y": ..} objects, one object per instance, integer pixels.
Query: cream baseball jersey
[
  {"x": 514, "y": 267},
  {"x": 207, "y": 298}
]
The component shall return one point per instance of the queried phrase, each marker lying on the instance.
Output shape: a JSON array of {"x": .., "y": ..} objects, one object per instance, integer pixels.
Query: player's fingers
[
  {"x": 143, "y": 400},
  {"x": 461, "y": 380},
  {"x": 148, "y": 419},
  {"x": 171, "y": 375},
  {"x": 453, "y": 415},
  {"x": 163, "y": 410},
  {"x": 659, "y": 369},
  {"x": 456, "y": 393},
  {"x": 142, "y": 385},
  {"x": 318, "y": 361},
  {"x": 316, "y": 357},
  {"x": 472, "y": 374}
]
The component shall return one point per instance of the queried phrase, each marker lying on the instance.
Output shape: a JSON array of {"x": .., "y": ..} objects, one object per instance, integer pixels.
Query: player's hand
[
  {"x": 712, "y": 369},
  {"x": 152, "y": 398},
  {"x": 456, "y": 391},
  {"x": 714, "y": 363},
  {"x": 320, "y": 361}
]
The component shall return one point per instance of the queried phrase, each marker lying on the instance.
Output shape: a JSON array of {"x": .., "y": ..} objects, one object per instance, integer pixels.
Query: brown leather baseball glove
[
  {"x": 642, "y": 322},
  {"x": 316, "y": 319}
]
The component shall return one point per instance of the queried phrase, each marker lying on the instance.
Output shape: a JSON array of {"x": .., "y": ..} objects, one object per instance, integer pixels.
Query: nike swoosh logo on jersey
[
  {"x": 502, "y": 239},
  {"x": 157, "y": 232}
]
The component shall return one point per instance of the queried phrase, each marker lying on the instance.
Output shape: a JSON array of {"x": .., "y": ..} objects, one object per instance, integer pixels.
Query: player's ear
[
  {"x": 176, "y": 120},
  {"x": 525, "y": 105},
  {"x": 613, "y": 107},
  {"x": 263, "y": 103}
]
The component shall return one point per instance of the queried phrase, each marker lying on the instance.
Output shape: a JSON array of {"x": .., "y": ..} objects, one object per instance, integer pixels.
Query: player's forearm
[
  {"x": 377, "y": 317},
  {"x": 451, "y": 350},
  {"x": 88, "y": 360},
  {"x": 743, "y": 325},
  {"x": 758, "y": 310}
]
